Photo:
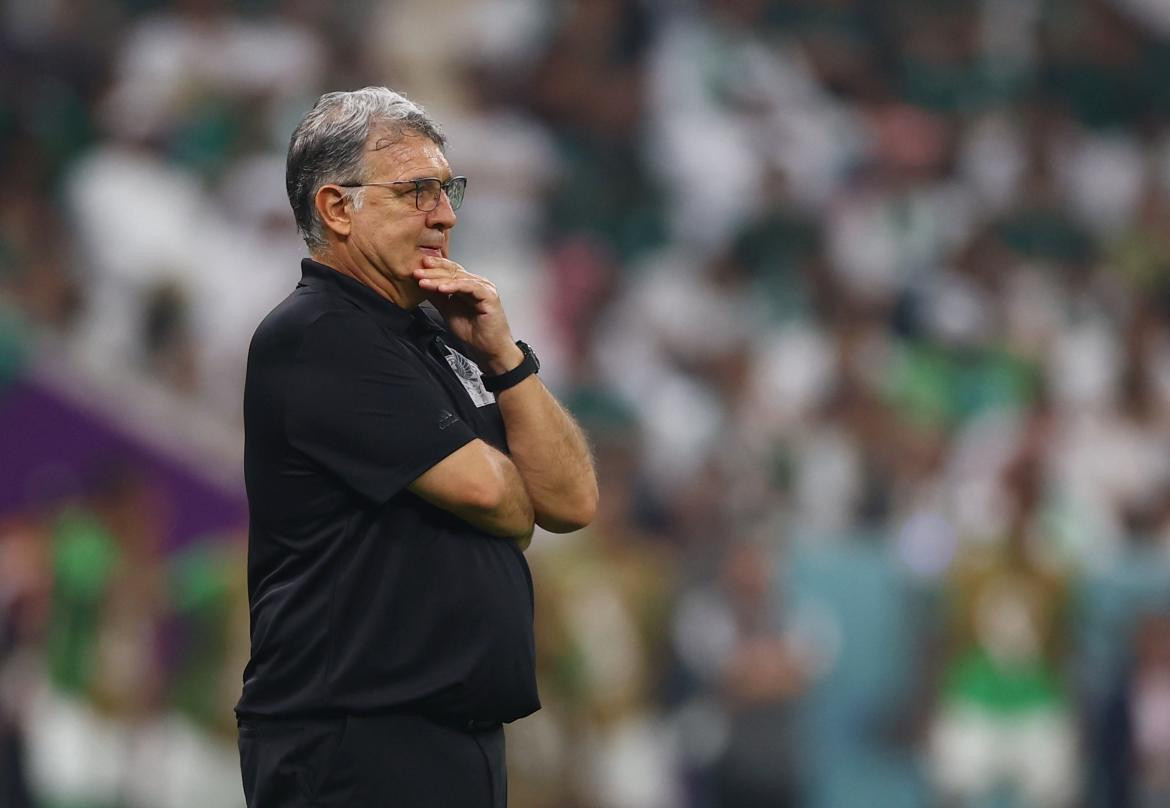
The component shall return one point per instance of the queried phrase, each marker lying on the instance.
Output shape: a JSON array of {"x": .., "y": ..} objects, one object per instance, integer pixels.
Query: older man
[{"x": 396, "y": 462}]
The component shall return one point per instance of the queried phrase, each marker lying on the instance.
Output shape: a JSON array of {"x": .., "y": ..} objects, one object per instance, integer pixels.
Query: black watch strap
[{"x": 500, "y": 383}]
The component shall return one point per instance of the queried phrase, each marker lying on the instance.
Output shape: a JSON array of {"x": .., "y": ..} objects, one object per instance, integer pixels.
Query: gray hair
[{"x": 328, "y": 146}]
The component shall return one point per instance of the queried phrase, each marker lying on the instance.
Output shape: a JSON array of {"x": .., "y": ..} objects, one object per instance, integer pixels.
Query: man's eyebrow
[{"x": 425, "y": 177}]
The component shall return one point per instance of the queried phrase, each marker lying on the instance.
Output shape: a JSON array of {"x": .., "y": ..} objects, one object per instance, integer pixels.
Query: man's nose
[{"x": 443, "y": 216}]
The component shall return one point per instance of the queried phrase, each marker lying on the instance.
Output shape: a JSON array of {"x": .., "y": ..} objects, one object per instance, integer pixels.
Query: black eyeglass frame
[{"x": 444, "y": 188}]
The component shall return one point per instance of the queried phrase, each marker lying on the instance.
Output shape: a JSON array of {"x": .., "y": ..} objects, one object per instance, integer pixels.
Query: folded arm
[
  {"x": 481, "y": 486},
  {"x": 552, "y": 456},
  {"x": 544, "y": 442}
]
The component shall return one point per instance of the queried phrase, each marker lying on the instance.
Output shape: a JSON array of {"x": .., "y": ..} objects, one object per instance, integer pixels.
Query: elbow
[
  {"x": 488, "y": 494},
  {"x": 586, "y": 509},
  {"x": 495, "y": 497},
  {"x": 573, "y": 513}
]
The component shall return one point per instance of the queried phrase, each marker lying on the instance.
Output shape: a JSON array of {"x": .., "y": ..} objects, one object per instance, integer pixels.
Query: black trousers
[{"x": 387, "y": 761}]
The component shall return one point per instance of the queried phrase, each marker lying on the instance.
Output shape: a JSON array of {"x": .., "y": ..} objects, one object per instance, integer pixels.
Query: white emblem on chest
[{"x": 468, "y": 373}]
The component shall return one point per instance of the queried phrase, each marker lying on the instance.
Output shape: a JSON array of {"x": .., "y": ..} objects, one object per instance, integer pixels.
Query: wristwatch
[{"x": 530, "y": 365}]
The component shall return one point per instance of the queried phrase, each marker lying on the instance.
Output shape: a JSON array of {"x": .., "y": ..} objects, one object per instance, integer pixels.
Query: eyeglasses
[{"x": 427, "y": 191}]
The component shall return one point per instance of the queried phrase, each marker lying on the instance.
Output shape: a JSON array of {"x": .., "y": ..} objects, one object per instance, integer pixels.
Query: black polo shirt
[{"x": 365, "y": 598}]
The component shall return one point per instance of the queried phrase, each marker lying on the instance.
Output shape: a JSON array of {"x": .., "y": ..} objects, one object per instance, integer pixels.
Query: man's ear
[{"x": 333, "y": 207}]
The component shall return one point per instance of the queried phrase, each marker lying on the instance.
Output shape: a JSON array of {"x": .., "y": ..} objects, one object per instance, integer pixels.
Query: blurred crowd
[{"x": 863, "y": 303}]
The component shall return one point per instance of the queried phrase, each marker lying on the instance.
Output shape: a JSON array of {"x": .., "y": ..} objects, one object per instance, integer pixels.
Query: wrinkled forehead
[{"x": 403, "y": 154}]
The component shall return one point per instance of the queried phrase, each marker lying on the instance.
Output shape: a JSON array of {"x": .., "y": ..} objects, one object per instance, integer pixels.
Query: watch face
[{"x": 524, "y": 346}]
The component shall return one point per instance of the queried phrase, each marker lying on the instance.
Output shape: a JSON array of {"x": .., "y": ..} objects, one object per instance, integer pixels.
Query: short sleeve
[{"x": 363, "y": 406}]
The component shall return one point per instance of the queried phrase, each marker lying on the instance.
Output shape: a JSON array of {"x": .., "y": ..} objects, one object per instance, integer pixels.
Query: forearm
[
  {"x": 481, "y": 486},
  {"x": 506, "y": 511},
  {"x": 551, "y": 454}
]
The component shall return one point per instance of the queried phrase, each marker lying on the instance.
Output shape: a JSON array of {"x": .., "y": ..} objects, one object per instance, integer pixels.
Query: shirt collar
[{"x": 393, "y": 316}]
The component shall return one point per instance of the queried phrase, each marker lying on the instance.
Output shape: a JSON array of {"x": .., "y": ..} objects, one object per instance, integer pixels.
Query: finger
[
  {"x": 441, "y": 274},
  {"x": 464, "y": 285},
  {"x": 434, "y": 262},
  {"x": 434, "y": 267},
  {"x": 458, "y": 286}
]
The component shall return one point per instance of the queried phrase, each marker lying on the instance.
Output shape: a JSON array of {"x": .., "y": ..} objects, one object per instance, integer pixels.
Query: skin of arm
[
  {"x": 551, "y": 455},
  {"x": 546, "y": 445},
  {"x": 481, "y": 486}
]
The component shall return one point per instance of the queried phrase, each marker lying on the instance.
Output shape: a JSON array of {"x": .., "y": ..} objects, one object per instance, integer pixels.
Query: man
[{"x": 396, "y": 462}]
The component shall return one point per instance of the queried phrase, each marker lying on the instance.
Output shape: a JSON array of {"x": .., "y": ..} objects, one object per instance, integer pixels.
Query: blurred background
[{"x": 862, "y": 302}]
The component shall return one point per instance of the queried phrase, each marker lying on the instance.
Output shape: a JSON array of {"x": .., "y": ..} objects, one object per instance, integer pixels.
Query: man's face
[{"x": 388, "y": 229}]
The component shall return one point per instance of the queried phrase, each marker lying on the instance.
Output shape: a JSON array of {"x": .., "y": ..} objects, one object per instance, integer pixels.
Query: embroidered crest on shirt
[{"x": 468, "y": 373}]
